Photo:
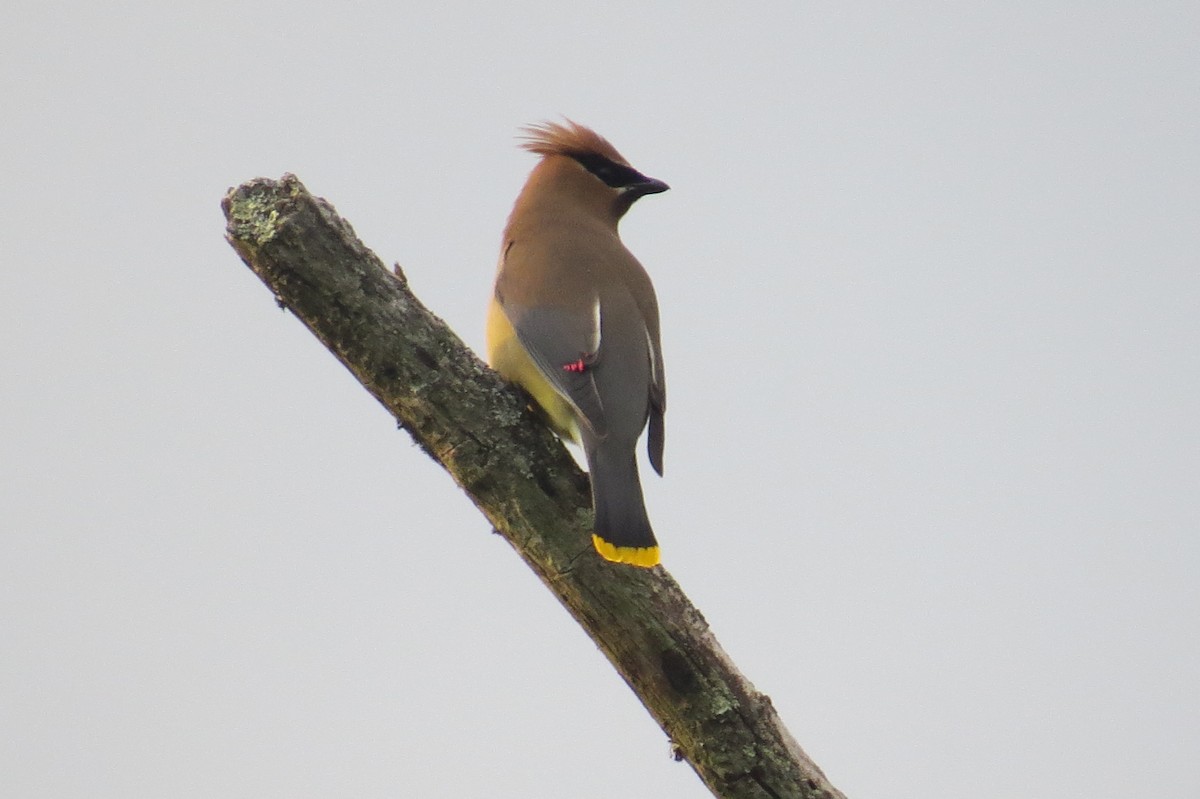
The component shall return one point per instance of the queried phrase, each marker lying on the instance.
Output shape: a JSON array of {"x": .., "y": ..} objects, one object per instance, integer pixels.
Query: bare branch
[{"x": 523, "y": 481}]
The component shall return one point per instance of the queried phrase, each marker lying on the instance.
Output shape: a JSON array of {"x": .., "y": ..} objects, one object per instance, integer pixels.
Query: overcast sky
[{"x": 931, "y": 316}]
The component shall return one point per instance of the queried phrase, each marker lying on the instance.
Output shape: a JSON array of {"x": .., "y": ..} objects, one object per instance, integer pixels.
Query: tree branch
[{"x": 524, "y": 482}]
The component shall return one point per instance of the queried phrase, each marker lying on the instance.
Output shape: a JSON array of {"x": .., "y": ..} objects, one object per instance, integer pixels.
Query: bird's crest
[{"x": 570, "y": 139}]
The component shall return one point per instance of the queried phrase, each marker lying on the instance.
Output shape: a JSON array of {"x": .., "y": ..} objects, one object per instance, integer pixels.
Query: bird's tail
[{"x": 622, "y": 531}]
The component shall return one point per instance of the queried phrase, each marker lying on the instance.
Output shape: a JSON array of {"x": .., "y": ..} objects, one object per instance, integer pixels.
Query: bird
[{"x": 573, "y": 319}]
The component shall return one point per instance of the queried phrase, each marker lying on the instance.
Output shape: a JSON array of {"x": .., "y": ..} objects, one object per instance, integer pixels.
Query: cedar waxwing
[{"x": 574, "y": 321}]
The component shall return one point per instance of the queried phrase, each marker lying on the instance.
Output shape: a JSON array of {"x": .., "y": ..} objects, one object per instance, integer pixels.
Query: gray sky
[{"x": 931, "y": 314}]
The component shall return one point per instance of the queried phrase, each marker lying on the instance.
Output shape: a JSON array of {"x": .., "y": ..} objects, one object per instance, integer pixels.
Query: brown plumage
[
  {"x": 571, "y": 139},
  {"x": 574, "y": 320}
]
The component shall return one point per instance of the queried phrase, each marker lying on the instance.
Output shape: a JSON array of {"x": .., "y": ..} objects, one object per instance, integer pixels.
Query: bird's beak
[{"x": 646, "y": 186}]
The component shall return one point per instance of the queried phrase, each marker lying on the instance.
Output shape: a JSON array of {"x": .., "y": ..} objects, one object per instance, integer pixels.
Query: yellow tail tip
[{"x": 634, "y": 556}]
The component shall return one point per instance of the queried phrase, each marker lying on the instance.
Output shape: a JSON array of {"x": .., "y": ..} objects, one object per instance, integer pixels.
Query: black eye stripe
[{"x": 614, "y": 174}]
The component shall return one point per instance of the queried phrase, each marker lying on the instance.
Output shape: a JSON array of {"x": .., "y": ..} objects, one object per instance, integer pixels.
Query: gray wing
[
  {"x": 556, "y": 338},
  {"x": 656, "y": 435}
]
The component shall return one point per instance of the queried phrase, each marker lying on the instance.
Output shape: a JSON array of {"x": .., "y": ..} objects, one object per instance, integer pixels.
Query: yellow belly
[{"x": 506, "y": 355}]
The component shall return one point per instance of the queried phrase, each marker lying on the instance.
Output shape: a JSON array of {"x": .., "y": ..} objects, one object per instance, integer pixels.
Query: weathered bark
[{"x": 524, "y": 482}]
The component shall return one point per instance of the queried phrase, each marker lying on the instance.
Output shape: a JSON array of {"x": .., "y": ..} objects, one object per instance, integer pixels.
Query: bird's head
[{"x": 589, "y": 166}]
